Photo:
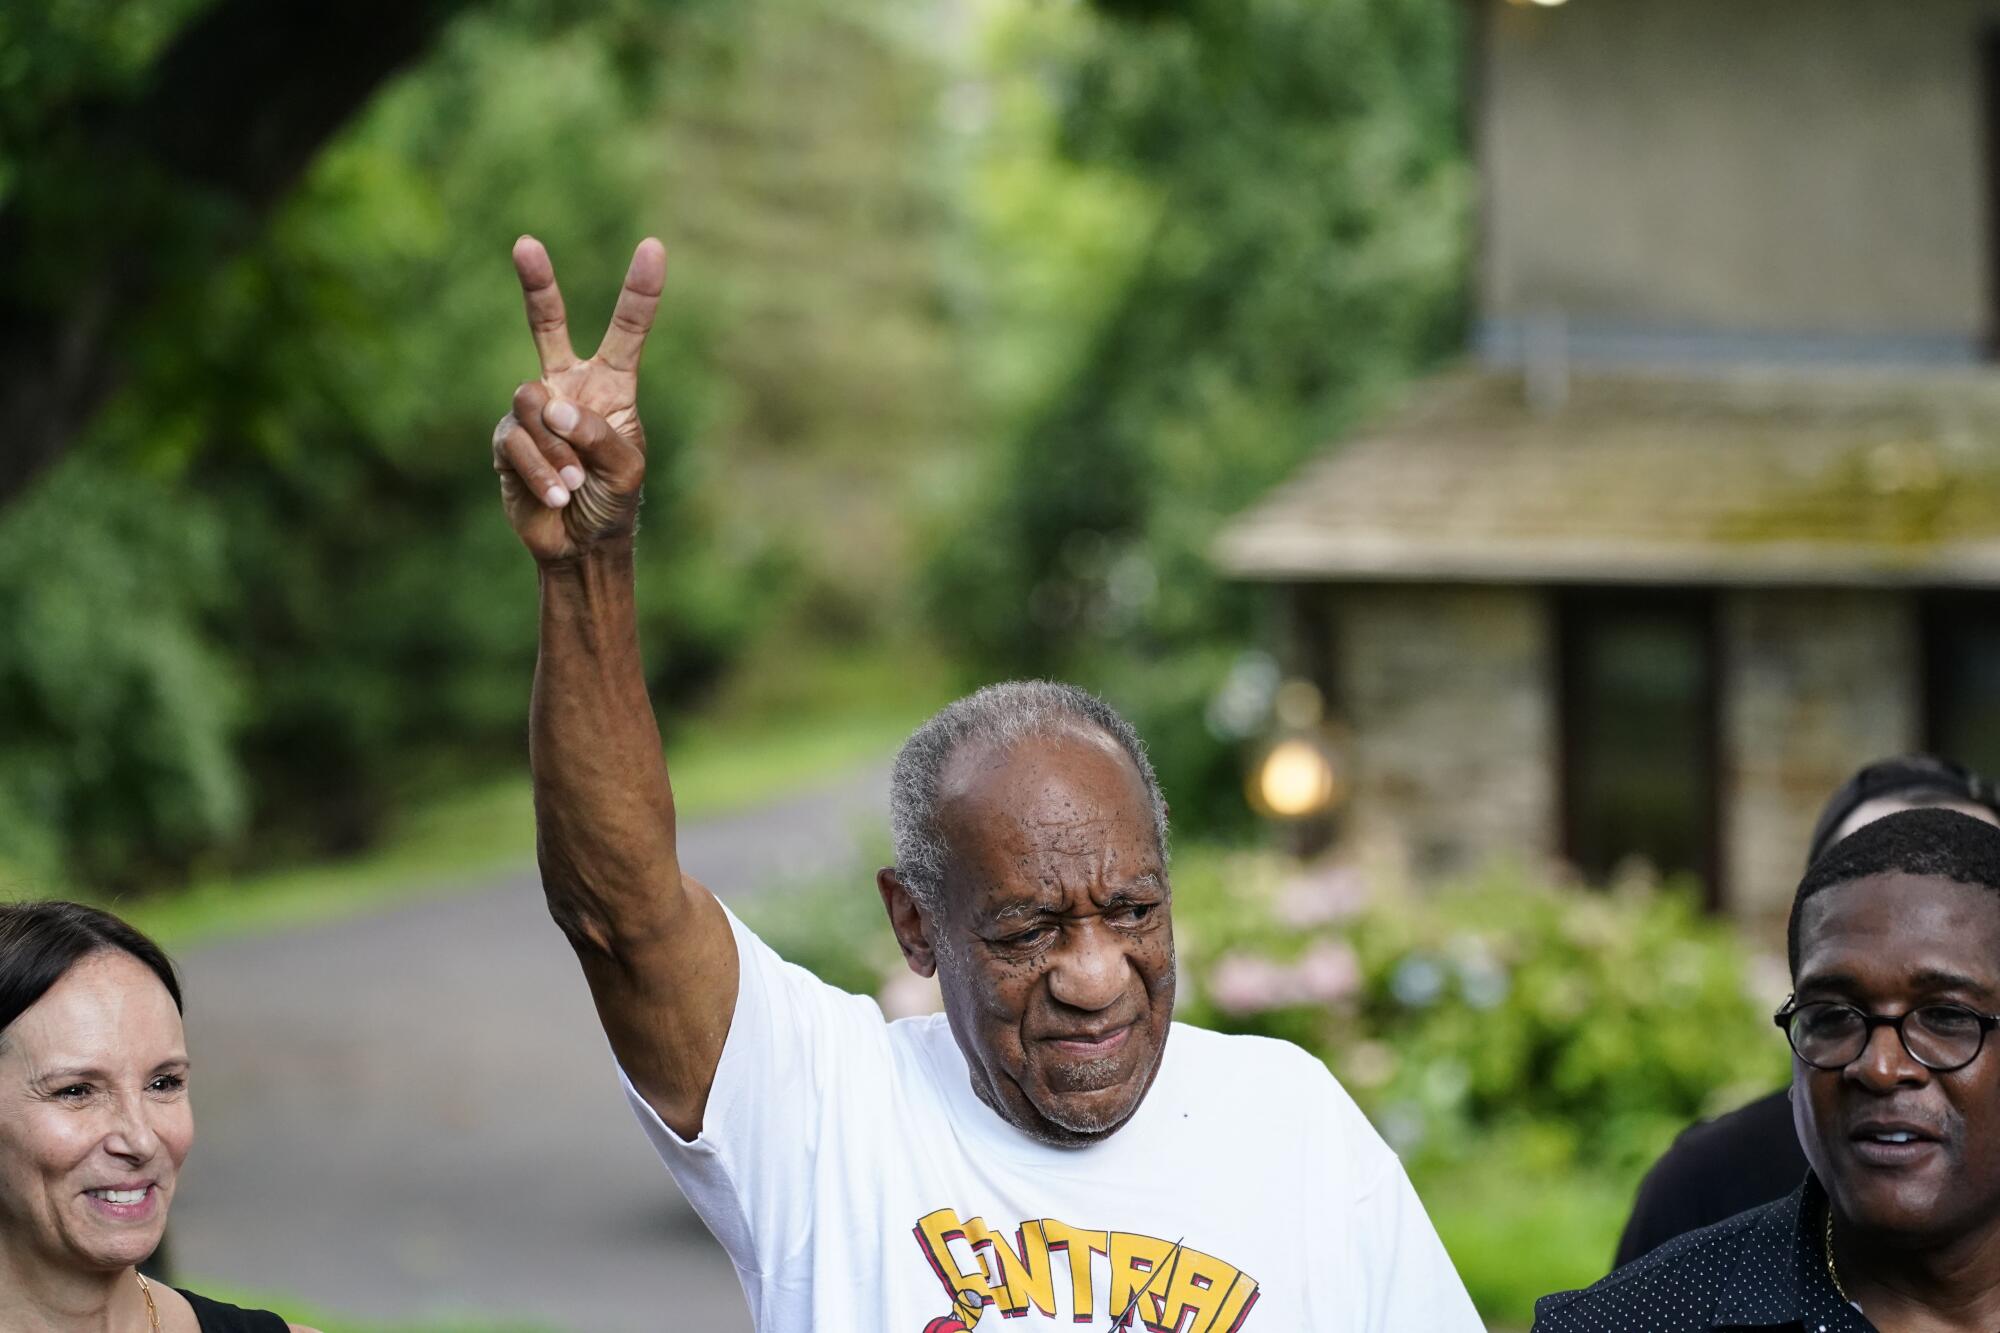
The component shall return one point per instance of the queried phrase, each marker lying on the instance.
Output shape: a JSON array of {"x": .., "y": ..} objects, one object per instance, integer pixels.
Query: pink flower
[
  {"x": 1248, "y": 984},
  {"x": 1321, "y": 895},
  {"x": 1329, "y": 973}
]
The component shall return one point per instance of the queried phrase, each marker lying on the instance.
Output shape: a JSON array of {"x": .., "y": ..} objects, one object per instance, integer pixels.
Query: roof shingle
[{"x": 1852, "y": 478}]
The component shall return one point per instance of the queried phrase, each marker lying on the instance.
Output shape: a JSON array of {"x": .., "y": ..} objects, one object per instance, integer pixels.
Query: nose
[
  {"x": 1090, "y": 969},
  {"x": 131, "y": 1137},
  {"x": 1885, "y": 1064}
]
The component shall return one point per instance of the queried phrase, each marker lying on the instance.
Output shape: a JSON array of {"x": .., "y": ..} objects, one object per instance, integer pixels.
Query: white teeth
[
  {"x": 119, "y": 1196},
  {"x": 1899, "y": 1136}
]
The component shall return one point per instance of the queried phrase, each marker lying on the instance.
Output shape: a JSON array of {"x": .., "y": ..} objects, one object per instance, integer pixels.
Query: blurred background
[{"x": 1511, "y": 460}]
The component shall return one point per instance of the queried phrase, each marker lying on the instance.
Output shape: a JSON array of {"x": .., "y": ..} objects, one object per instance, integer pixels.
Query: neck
[
  {"x": 37, "y": 1297},
  {"x": 1939, "y": 1288}
]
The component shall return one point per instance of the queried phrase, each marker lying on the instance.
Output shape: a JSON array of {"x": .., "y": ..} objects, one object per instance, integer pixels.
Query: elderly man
[
  {"x": 1894, "y": 948},
  {"x": 1053, "y": 1150}
]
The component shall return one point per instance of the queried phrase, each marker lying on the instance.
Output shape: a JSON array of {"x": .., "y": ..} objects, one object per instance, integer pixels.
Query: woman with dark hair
[{"x": 94, "y": 1125}]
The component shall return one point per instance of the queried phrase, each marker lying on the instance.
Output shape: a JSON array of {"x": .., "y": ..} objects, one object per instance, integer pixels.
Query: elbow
[{"x": 589, "y": 931}]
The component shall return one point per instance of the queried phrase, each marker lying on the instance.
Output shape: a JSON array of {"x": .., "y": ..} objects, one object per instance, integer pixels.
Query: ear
[{"x": 907, "y": 920}]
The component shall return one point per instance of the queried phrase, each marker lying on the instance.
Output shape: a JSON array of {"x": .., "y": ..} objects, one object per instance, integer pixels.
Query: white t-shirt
[{"x": 859, "y": 1184}]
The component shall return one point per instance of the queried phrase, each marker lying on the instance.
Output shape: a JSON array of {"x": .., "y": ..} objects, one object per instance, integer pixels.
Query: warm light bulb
[{"x": 1296, "y": 779}]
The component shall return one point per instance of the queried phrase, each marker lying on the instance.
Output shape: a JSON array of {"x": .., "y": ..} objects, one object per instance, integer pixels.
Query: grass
[{"x": 1515, "y": 1235}]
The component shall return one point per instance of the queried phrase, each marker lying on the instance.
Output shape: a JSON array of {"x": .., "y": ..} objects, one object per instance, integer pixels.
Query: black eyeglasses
[{"x": 1940, "y": 1037}]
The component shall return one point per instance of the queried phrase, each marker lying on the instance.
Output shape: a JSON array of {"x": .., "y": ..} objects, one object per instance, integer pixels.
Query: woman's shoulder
[{"x": 221, "y": 1317}]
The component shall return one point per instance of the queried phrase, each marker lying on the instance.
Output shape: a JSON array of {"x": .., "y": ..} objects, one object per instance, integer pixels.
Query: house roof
[{"x": 1830, "y": 478}]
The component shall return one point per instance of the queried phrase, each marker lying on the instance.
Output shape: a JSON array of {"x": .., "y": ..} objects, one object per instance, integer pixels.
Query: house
[{"x": 1711, "y": 515}]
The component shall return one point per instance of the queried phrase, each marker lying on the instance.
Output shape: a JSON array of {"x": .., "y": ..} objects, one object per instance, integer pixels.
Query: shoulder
[
  {"x": 221, "y": 1317},
  {"x": 1714, "y": 1170},
  {"x": 1270, "y": 1088},
  {"x": 1747, "y": 1131},
  {"x": 1265, "y": 1076},
  {"x": 1207, "y": 1053},
  {"x": 1673, "y": 1289}
]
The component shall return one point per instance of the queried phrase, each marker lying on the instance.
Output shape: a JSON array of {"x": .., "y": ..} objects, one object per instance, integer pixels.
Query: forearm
[{"x": 604, "y": 809}]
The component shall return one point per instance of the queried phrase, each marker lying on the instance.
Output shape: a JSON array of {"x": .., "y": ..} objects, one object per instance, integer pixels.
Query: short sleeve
[
  {"x": 1394, "y": 1260},
  {"x": 1411, "y": 1281},
  {"x": 795, "y": 1045}
]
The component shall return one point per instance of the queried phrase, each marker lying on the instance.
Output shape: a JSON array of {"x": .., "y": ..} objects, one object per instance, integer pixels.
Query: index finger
[
  {"x": 547, "y": 323},
  {"x": 632, "y": 318}
]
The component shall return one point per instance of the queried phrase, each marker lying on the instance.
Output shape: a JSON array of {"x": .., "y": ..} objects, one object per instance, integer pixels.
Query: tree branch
[{"x": 170, "y": 181}]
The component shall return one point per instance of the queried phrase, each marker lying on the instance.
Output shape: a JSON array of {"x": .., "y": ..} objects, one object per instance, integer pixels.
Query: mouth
[
  {"x": 1893, "y": 1143},
  {"x": 134, "y": 1203},
  {"x": 1092, "y": 1045}
]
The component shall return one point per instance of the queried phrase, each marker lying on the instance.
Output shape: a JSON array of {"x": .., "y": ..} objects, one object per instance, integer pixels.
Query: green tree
[
  {"x": 139, "y": 143},
  {"x": 1293, "y": 246},
  {"x": 313, "y": 543},
  {"x": 328, "y": 628}
]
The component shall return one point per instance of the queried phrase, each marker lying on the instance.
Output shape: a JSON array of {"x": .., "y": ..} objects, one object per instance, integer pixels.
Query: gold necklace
[
  {"x": 152, "y": 1310},
  {"x": 1831, "y": 1271}
]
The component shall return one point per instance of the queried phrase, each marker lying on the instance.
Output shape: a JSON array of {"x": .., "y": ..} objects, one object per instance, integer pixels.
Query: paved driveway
[{"x": 414, "y": 1113}]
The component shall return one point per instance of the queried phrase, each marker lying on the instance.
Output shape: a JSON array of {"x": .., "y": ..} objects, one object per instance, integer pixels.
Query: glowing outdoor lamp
[{"x": 1295, "y": 780}]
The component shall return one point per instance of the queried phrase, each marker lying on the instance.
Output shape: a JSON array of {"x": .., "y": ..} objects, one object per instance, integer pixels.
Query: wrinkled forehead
[
  {"x": 108, "y": 1009},
  {"x": 1047, "y": 801},
  {"x": 1895, "y": 930}
]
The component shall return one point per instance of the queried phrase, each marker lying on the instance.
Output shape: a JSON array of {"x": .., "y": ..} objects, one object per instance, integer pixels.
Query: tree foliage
[
  {"x": 267, "y": 597},
  {"x": 1291, "y": 244},
  {"x": 269, "y": 593},
  {"x": 143, "y": 151}
]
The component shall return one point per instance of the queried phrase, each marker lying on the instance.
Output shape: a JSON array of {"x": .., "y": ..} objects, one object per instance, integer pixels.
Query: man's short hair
[
  {"x": 998, "y": 716},
  {"x": 1940, "y": 844}
]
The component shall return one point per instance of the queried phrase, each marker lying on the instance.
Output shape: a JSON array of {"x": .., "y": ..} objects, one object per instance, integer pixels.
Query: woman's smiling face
[{"x": 94, "y": 1117}]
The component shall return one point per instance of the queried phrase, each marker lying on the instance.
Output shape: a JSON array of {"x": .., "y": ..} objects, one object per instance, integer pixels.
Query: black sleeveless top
[{"x": 215, "y": 1317}]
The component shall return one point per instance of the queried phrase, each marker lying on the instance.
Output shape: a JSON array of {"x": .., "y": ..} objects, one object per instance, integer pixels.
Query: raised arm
[{"x": 655, "y": 945}]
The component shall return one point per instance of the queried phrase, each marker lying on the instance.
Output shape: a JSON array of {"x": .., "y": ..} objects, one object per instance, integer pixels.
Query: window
[
  {"x": 1962, "y": 678},
  {"x": 1638, "y": 710}
]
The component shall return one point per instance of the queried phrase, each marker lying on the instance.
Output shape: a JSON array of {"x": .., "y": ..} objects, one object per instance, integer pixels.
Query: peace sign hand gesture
[{"x": 571, "y": 455}]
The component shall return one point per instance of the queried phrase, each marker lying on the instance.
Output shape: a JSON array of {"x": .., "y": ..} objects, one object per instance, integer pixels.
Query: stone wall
[
  {"x": 1448, "y": 692},
  {"x": 1787, "y": 166},
  {"x": 1815, "y": 684}
]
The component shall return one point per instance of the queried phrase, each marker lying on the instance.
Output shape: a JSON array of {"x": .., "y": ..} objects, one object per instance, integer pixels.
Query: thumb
[
  {"x": 608, "y": 456},
  {"x": 614, "y": 469}
]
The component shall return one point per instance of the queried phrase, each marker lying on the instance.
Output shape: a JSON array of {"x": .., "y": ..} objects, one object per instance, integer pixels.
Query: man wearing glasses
[
  {"x": 1894, "y": 947},
  {"x": 1750, "y": 1156}
]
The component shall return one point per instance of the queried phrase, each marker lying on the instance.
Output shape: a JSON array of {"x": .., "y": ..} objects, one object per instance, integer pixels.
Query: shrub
[
  {"x": 118, "y": 710},
  {"x": 1592, "y": 1024}
]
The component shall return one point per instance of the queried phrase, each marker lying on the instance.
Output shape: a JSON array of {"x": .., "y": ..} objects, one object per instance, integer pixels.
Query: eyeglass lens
[{"x": 1940, "y": 1036}]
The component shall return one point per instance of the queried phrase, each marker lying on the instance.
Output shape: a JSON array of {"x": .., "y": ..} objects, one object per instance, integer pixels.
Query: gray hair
[{"x": 999, "y": 716}]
